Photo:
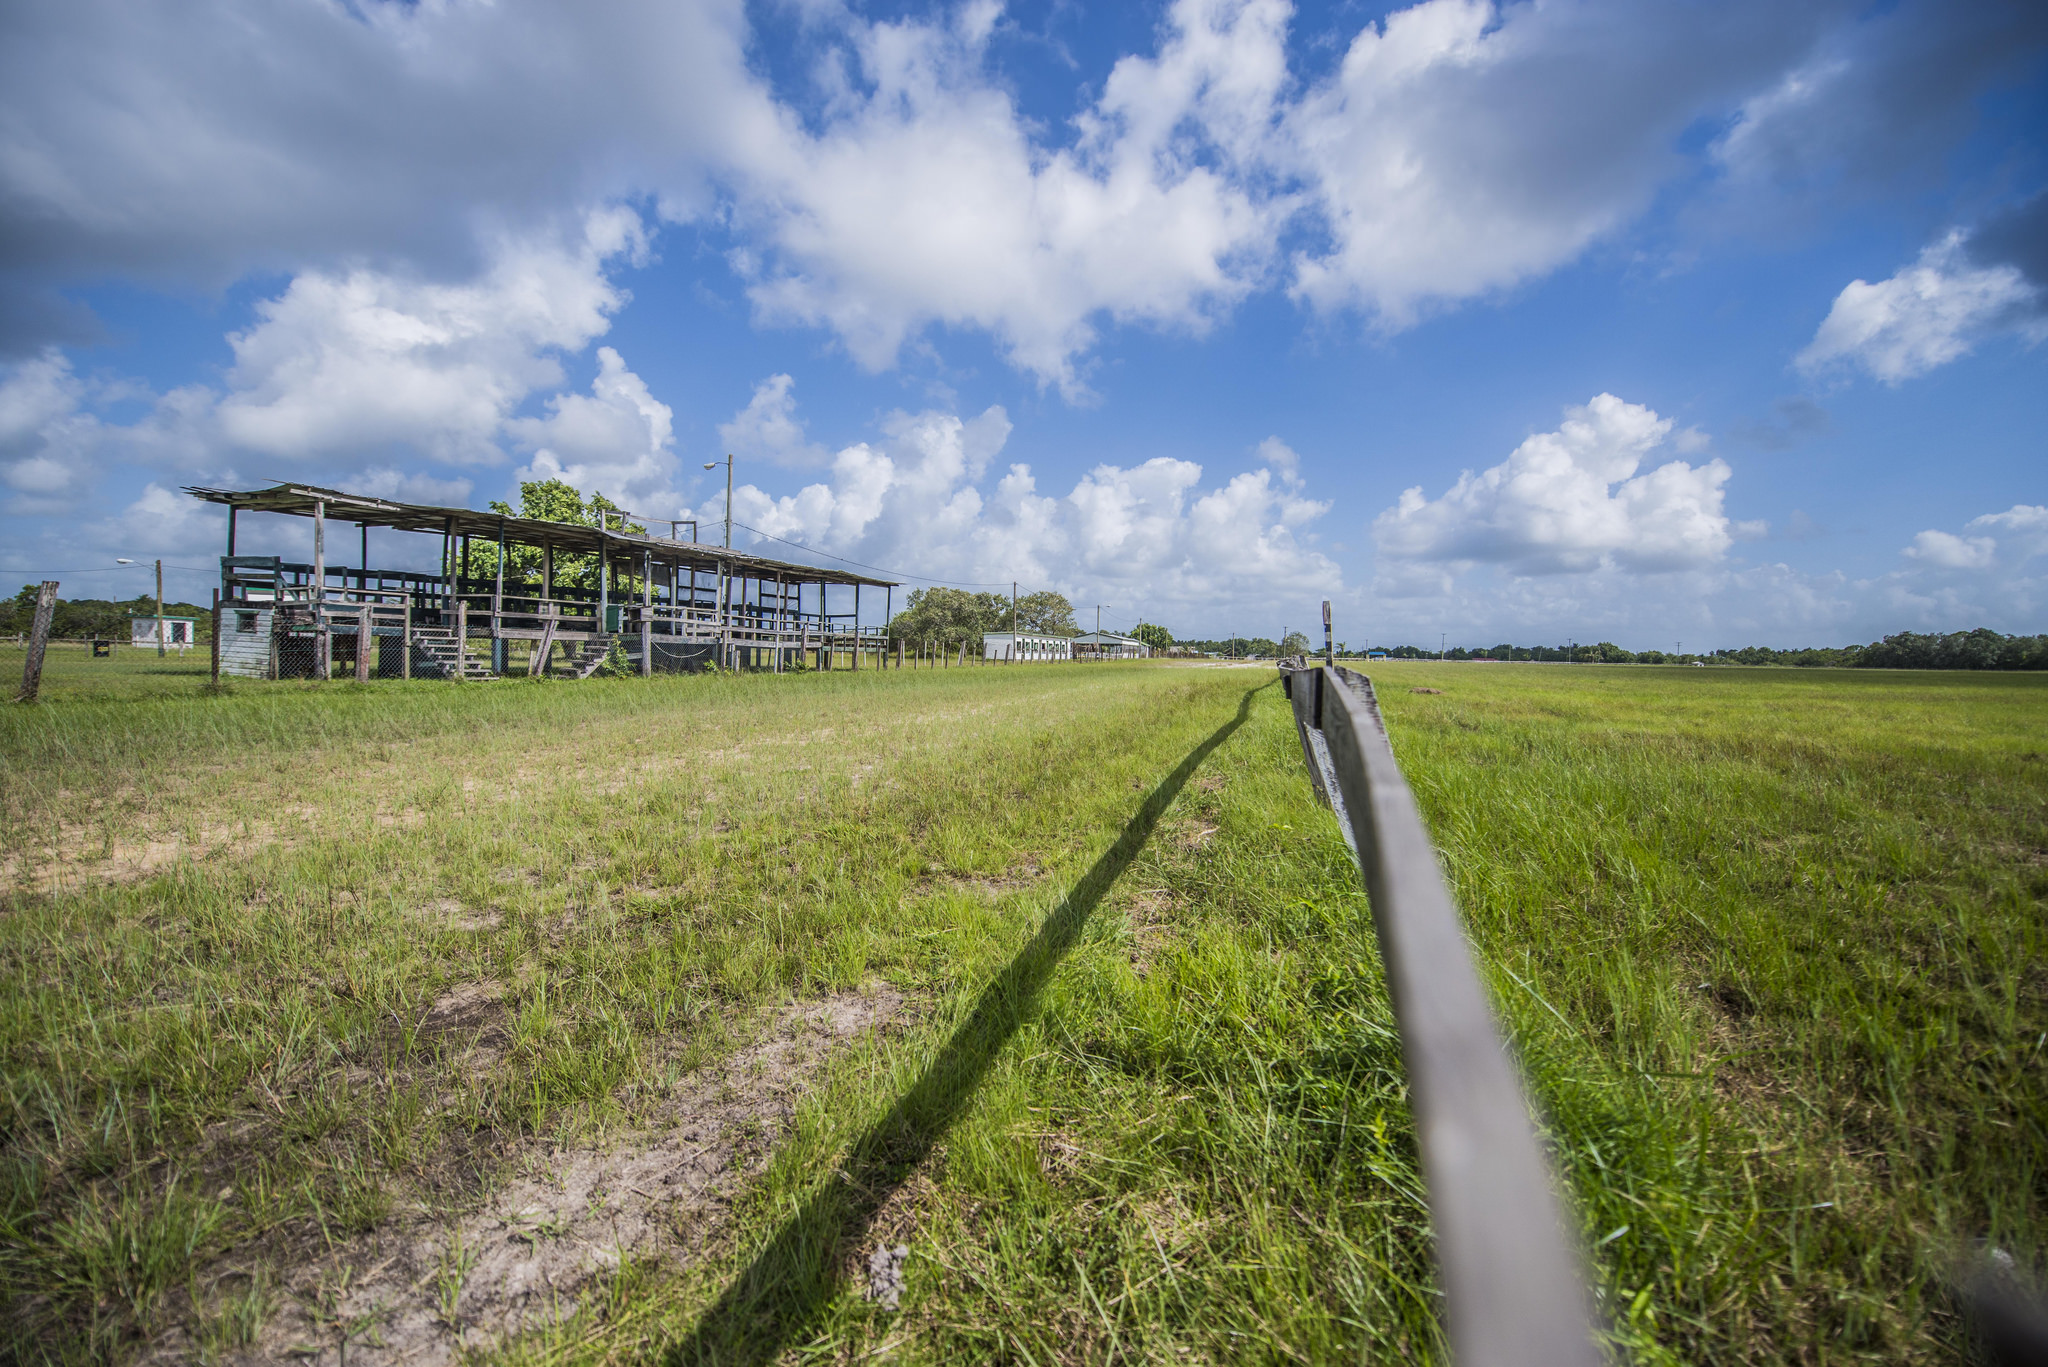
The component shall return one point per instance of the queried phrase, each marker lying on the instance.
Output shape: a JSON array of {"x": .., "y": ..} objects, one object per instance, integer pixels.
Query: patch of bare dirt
[
  {"x": 1151, "y": 916},
  {"x": 451, "y": 912},
  {"x": 1425, "y": 690},
  {"x": 1013, "y": 879},
  {"x": 472, "y": 1018},
  {"x": 423, "y": 1290},
  {"x": 80, "y": 855}
]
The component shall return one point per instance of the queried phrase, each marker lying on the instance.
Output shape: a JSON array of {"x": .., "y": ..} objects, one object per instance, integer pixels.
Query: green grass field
[{"x": 630, "y": 1020}]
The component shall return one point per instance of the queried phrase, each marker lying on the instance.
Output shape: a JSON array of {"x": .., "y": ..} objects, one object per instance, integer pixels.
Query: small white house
[
  {"x": 180, "y": 633},
  {"x": 1025, "y": 645},
  {"x": 1107, "y": 645}
]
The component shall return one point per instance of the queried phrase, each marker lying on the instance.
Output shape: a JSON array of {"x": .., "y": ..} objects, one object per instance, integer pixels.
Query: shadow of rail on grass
[{"x": 783, "y": 1292}]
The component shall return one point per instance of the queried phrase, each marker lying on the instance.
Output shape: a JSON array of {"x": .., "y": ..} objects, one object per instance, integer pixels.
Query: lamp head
[
  {"x": 119, "y": 560},
  {"x": 711, "y": 465}
]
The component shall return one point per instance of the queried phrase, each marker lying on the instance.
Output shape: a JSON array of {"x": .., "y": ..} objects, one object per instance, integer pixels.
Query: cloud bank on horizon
[{"x": 434, "y": 212}]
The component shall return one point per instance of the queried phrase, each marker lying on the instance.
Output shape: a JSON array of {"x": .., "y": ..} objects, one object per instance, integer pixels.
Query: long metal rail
[{"x": 1512, "y": 1272}]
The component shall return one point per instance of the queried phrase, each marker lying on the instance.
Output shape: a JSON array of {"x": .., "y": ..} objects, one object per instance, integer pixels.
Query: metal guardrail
[{"x": 1513, "y": 1274}]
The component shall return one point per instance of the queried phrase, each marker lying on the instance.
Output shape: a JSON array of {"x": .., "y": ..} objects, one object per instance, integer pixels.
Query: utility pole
[
  {"x": 160, "y": 608},
  {"x": 1329, "y": 651},
  {"x": 1014, "y": 625},
  {"x": 725, "y": 567},
  {"x": 1441, "y": 637}
]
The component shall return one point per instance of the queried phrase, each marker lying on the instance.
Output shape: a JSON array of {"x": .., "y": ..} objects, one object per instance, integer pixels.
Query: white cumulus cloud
[
  {"x": 616, "y": 440},
  {"x": 899, "y": 185},
  {"x": 1463, "y": 146},
  {"x": 47, "y": 443},
  {"x": 769, "y": 429},
  {"x": 1948, "y": 551},
  {"x": 1151, "y": 539},
  {"x": 1571, "y": 500},
  {"x": 926, "y": 197},
  {"x": 2002, "y": 539},
  {"x": 360, "y": 361},
  {"x": 1929, "y": 314}
]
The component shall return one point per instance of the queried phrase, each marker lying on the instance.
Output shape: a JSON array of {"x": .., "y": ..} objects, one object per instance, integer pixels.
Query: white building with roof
[
  {"x": 1026, "y": 645},
  {"x": 1107, "y": 645}
]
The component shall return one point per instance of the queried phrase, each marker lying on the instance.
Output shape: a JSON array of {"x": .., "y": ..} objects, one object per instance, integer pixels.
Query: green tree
[
  {"x": 1157, "y": 637},
  {"x": 948, "y": 615},
  {"x": 1295, "y": 644},
  {"x": 551, "y": 500},
  {"x": 1044, "y": 611}
]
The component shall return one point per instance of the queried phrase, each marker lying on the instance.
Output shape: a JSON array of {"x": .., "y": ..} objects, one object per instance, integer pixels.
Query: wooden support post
[
  {"x": 365, "y": 640},
  {"x": 461, "y": 637},
  {"x": 216, "y": 640},
  {"x": 405, "y": 655},
  {"x": 38, "y": 641},
  {"x": 646, "y": 615},
  {"x": 498, "y": 596},
  {"x": 899, "y": 652}
]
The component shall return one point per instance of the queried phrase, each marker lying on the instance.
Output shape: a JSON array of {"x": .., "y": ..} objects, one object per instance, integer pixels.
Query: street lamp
[
  {"x": 713, "y": 465},
  {"x": 725, "y": 567}
]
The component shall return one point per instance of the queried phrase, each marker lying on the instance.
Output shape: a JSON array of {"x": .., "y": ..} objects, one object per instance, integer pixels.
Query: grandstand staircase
[
  {"x": 439, "y": 645},
  {"x": 585, "y": 657}
]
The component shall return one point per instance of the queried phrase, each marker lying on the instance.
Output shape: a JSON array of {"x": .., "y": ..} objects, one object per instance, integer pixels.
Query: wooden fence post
[
  {"x": 405, "y": 639},
  {"x": 38, "y": 639},
  {"x": 461, "y": 639},
  {"x": 216, "y": 639},
  {"x": 365, "y": 640}
]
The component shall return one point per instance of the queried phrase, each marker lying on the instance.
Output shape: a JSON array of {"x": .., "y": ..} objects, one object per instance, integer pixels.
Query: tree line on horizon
[
  {"x": 1982, "y": 648},
  {"x": 94, "y": 619}
]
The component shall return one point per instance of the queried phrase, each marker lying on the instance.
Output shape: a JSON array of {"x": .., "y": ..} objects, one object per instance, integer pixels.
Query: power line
[
  {"x": 950, "y": 583},
  {"x": 110, "y": 569}
]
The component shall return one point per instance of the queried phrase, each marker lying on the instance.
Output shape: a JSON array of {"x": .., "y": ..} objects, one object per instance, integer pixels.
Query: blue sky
[{"x": 1648, "y": 322}]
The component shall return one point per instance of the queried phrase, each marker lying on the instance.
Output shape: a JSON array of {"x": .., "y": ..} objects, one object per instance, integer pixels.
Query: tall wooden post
[
  {"x": 646, "y": 615},
  {"x": 162, "y": 648},
  {"x": 38, "y": 639},
  {"x": 461, "y": 638},
  {"x": 323, "y": 643},
  {"x": 215, "y": 648},
  {"x": 405, "y": 655},
  {"x": 498, "y": 592},
  {"x": 365, "y": 639}
]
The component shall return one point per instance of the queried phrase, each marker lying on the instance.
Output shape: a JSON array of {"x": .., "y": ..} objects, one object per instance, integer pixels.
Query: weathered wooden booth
[{"x": 569, "y": 592}]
